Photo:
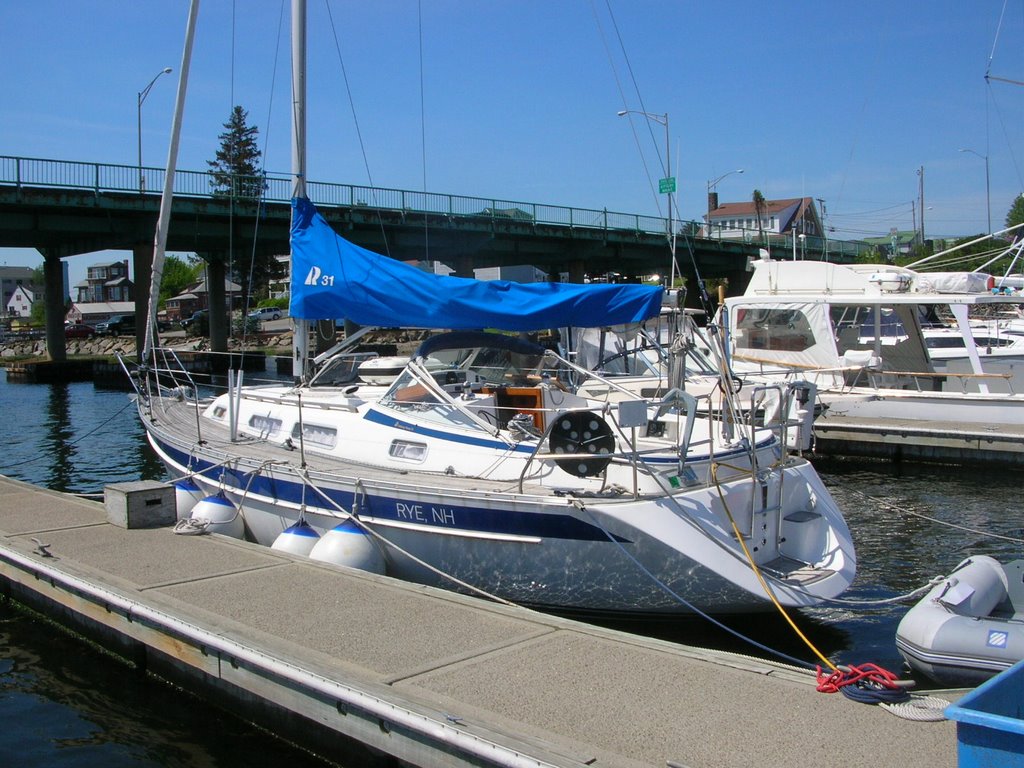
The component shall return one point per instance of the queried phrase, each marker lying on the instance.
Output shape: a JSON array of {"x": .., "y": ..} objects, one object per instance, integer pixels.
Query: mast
[
  {"x": 300, "y": 333},
  {"x": 164, "y": 220}
]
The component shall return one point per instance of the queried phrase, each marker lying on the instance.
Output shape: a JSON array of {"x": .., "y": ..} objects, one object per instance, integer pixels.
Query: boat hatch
[{"x": 509, "y": 401}]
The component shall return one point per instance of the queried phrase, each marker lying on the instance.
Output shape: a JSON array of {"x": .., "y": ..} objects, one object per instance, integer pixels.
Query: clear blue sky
[{"x": 842, "y": 101}]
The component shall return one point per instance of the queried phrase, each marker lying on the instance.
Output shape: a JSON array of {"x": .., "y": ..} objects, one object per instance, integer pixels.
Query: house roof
[
  {"x": 32, "y": 291},
  {"x": 229, "y": 286},
  {"x": 105, "y": 307},
  {"x": 788, "y": 211},
  {"x": 728, "y": 210}
]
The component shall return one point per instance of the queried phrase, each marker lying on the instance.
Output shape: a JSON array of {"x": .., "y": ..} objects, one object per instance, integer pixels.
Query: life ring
[{"x": 582, "y": 432}]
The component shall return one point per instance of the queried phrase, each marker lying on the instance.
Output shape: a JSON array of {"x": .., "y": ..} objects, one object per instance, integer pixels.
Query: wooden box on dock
[{"x": 140, "y": 504}]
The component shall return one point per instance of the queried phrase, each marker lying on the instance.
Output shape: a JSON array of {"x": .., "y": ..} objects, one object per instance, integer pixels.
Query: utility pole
[
  {"x": 824, "y": 227},
  {"x": 920, "y": 188}
]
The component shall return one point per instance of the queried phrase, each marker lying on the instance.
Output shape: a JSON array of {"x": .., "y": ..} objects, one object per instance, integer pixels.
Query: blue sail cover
[{"x": 334, "y": 279}]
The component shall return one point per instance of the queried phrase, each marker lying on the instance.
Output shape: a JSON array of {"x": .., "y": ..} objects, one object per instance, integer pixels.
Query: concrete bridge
[{"x": 64, "y": 208}]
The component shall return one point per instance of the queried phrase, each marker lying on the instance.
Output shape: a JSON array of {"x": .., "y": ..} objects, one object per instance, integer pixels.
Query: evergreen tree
[
  {"x": 1016, "y": 215},
  {"x": 236, "y": 170}
]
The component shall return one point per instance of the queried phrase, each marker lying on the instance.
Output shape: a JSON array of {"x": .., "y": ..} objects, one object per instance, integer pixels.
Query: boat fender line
[
  {"x": 893, "y": 508},
  {"x": 925, "y": 709},
  {"x": 800, "y": 663},
  {"x": 912, "y": 595},
  {"x": 186, "y": 495},
  {"x": 388, "y": 544},
  {"x": 769, "y": 592},
  {"x": 199, "y": 523},
  {"x": 868, "y": 683},
  {"x": 192, "y": 526},
  {"x": 217, "y": 514},
  {"x": 580, "y": 433}
]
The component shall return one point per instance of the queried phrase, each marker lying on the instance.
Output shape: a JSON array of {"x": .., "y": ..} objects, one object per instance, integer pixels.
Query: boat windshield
[
  {"x": 412, "y": 393},
  {"x": 341, "y": 370}
]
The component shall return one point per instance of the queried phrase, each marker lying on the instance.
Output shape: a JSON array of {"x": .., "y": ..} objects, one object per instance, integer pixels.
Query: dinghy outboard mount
[{"x": 582, "y": 432}]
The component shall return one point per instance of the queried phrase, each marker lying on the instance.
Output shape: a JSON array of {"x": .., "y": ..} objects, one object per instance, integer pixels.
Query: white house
[
  {"x": 20, "y": 303},
  {"x": 93, "y": 312},
  {"x": 777, "y": 217}
]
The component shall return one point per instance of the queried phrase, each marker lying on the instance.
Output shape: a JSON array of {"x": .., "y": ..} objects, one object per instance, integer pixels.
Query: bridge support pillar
[
  {"x": 577, "y": 271},
  {"x": 462, "y": 266},
  {"x": 53, "y": 276},
  {"x": 218, "y": 308},
  {"x": 142, "y": 264},
  {"x": 738, "y": 280}
]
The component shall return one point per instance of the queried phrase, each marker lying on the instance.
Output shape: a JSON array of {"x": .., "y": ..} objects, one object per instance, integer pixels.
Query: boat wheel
[{"x": 582, "y": 432}]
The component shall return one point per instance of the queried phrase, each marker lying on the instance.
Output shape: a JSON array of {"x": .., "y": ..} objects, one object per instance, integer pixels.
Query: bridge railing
[{"x": 277, "y": 187}]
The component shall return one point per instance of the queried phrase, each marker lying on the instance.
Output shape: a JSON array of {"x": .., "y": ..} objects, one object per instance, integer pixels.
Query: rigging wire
[
  {"x": 995, "y": 41},
  {"x": 263, "y": 173},
  {"x": 625, "y": 104},
  {"x": 234, "y": 186},
  {"x": 423, "y": 133},
  {"x": 359, "y": 133},
  {"x": 662, "y": 161}
]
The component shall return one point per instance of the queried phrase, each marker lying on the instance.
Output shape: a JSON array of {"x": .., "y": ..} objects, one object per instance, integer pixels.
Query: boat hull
[
  {"x": 966, "y": 629},
  {"x": 646, "y": 557}
]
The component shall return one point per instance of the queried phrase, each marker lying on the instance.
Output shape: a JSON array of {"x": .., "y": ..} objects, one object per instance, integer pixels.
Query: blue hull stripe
[
  {"x": 454, "y": 516},
  {"x": 379, "y": 417}
]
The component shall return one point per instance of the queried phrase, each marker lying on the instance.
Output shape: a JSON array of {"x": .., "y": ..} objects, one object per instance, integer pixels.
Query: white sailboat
[{"x": 480, "y": 469}]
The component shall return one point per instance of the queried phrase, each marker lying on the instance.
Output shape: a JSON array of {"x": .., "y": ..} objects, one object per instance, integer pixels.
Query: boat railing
[
  {"x": 686, "y": 405},
  {"x": 873, "y": 377},
  {"x": 164, "y": 375},
  {"x": 963, "y": 379}
]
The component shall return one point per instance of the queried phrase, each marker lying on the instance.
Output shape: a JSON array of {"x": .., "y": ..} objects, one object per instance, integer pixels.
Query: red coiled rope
[{"x": 868, "y": 683}]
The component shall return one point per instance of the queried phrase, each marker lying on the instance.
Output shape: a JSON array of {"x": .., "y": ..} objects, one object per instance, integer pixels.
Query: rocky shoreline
[
  {"x": 405, "y": 342},
  {"x": 125, "y": 345}
]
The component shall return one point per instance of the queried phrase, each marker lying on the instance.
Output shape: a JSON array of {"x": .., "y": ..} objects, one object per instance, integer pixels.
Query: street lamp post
[
  {"x": 142, "y": 97},
  {"x": 711, "y": 186},
  {"x": 667, "y": 185},
  {"x": 988, "y": 196}
]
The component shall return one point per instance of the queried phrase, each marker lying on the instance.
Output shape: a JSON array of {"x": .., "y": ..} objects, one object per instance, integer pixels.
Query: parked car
[
  {"x": 118, "y": 325},
  {"x": 78, "y": 331},
  {"x": 267, "y": 313},
  {"x": 197, "y": 323}
]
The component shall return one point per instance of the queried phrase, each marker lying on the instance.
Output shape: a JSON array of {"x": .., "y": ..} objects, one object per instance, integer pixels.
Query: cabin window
[
  {"x": 266, "y": 426},
  {"x": 855, "y": 326},
  {"x": 944, "y": 342},
  {"x": 773, "y": 329},
  {"x": 407, "y": 450},
  {"x": 219, "y": 411},
  {"x": 326, "y": 437}
]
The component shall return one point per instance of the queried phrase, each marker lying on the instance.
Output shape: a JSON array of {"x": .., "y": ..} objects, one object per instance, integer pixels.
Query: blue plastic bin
[{"x": 989, "y": 724}]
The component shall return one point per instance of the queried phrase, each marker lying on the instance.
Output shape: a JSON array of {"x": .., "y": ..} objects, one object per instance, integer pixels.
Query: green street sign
[{"x": 667, "y": 186}]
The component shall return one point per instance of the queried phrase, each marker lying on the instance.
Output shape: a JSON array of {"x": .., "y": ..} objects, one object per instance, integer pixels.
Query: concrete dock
[
  {"x": 315, "y": 652},
  {"x": 951, "y": 442}
]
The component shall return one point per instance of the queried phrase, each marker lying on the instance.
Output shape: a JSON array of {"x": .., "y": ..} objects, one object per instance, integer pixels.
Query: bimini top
[{"x": 334, "y": 279}]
